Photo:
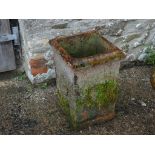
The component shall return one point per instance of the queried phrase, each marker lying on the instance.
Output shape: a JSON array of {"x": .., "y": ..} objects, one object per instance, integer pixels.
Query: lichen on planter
[
  {"x": 87, "y": 68},
  {"x": 91, "y": 101},
  {"x": 99, "y": 96}
]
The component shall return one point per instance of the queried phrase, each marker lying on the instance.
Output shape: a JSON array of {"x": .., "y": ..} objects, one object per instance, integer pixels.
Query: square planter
[{"x": 87, "y": 68}]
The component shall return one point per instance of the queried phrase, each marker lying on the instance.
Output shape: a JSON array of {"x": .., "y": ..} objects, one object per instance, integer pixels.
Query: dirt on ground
[{"x": 29, "y": 109}]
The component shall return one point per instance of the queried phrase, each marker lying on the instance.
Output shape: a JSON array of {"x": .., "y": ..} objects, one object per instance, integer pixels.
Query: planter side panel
[
  {"x": 98, "y": 74},
  {"x": 65, "y": 86},
  {"x": 71, "y": 89}
]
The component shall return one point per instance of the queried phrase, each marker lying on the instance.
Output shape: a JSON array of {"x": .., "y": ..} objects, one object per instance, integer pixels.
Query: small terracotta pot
[{"x": 152, "y": 79}]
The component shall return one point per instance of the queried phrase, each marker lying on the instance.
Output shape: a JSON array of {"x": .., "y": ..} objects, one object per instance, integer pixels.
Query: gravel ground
[{"x": 28, "y": 109}]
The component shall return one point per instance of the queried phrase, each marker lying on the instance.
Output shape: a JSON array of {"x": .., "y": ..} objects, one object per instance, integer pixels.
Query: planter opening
[
  {"x": 86, "y": 49},
  {"x": 84, "y": 45}
]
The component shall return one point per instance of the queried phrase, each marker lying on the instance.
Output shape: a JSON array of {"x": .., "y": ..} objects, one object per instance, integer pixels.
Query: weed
[
  {"x": 21, "y": 76},
  {"x": 150, "y": 59},
  {"x": 43, "y": 85}
]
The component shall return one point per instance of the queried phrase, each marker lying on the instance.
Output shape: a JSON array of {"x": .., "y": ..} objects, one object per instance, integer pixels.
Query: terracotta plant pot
[
  {"x": 152, "y": 79},
  {"x": 87, "y": 68}
]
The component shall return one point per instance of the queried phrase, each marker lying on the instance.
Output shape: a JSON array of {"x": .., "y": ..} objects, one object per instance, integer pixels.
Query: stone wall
[{"x": 132, "y": 36}]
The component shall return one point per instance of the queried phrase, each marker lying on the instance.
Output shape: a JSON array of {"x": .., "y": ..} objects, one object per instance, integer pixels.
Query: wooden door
[{"x": 7, "y": 58}]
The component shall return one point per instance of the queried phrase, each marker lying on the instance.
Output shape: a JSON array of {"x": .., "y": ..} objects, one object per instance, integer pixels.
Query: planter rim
[{"x": 114, "y": 53}]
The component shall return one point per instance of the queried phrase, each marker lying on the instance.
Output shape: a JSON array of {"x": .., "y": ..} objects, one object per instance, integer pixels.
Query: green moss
[
  {"x": 92, "y": 98},
  {"x": 99, "y": 96},
  {"x": 64, "y": 103},
  {"x": 70, "y": 113},
  {"x": 73, "y": 119},
  {"x": 83, "y": 46},
  {"x": 150, "y": 59},
  {"x": 95, "y": 99},
  {"x": 21, "y": 76}
]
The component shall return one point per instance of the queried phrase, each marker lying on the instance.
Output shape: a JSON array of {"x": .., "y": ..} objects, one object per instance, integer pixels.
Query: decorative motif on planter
[{"x": 87, "y": 68}]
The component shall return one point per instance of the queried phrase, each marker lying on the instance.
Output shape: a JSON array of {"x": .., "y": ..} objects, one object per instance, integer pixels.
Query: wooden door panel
[{"x": 7, "y": 58}]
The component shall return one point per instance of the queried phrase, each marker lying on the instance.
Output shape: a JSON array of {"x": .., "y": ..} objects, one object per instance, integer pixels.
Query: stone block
[
  {"x": 39, "y": 67},
  {"x": 38, "y": 61},
  {"x": 39, "y": 70}
]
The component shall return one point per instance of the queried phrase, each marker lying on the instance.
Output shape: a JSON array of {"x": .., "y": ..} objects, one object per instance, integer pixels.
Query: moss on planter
[
  {"x": 70, "y": 113},
  {"x": 98, "y": 96},
  {"x": 63, "y": 102},
  {"x": 90, "y": 101}
]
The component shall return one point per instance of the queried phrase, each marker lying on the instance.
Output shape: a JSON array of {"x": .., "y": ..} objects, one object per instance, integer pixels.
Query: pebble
[
  {"x": 130, "y": 57},
  {"x": 43, "y": 98},
  {"x": 28, "y": 96},
  {"x": 136, "y": 44},
  {"x": 119, "y": 32},
  {"x": 143, "y": 104},
  {"x": 132, "y": 99},
  {"x": 142, "y": 57},
  {"x": 21, "y": 132},
  {"x": 89, "y": 128},
  {"x": 138, "y": 25}
]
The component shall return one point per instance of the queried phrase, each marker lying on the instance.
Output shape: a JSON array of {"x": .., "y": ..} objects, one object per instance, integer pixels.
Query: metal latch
[{"x": 9, "y": 37}]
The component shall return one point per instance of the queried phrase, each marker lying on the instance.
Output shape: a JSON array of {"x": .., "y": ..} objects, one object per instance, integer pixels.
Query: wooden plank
[{"x": 7, "y": 58}]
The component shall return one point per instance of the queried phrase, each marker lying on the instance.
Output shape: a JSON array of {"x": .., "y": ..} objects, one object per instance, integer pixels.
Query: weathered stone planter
[{"x": 87, "y": 68}]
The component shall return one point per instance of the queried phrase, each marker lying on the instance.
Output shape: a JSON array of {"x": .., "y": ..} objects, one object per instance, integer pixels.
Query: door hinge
[{"x": 11, "y": 37}]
